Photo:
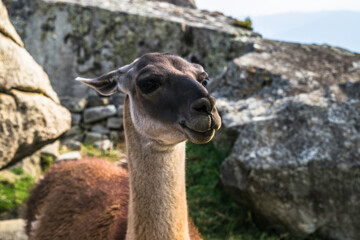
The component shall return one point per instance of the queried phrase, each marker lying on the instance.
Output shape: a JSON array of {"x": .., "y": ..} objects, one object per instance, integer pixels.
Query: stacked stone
[{"x": 95, "y": 120}]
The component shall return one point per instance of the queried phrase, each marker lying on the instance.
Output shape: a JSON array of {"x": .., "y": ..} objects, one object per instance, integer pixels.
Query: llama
[{"x": 166, "y": 104}]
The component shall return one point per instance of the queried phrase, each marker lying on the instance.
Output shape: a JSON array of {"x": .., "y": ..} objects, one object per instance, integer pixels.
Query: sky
[
  {"x": 243, "y": 8},
  {"x": 332, "y": 22}
]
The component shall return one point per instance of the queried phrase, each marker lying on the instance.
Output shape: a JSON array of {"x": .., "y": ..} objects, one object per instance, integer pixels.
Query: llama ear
[{"x": 111, "y": 82}]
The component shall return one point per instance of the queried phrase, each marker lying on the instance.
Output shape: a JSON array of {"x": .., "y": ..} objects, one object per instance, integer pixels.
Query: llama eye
[
  {"x": 205, "y": 82},
  {"x": 148, "y": 85}
]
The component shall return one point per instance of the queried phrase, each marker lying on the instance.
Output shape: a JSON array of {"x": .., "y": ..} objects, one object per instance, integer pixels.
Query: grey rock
[
  {"x": 120, "y": 111},
  {"x": 103, "y": 144},
  {"x": 87, "y": 126},
  {"x": 295, "y": 160},
  {"x": 30, "y": 111},
  {"x": 356, "y": 64},
  {"x": 98, "y": 113},
  {"x": 117, "y": 135},
  {"x": 351, "y": 90},
  {"x": 96, "y": 101},
  {"x": 74, "y": 105},
  {"x": 281, "y": 69},
  {"x": 74, "y": 130},
  {"x": 69, "y": 156},
  {"x": 73, "y": 144},
  {"x": 51, "y": 149},
  {"x": 75, "y": 119},
  {"x": 77, "y": 137},
  {"x": 94, "y": 136},
  {"x": 114, "y": 134},
  {"x": 117, "y": 99},
  {"x": 114, "y": 123},
  {"x": 98, "y": 128},
  {"x": 276, "y": 70},
  {"x": 290, "y": 113},
  {"x": 31, "y": 165},
  {"x": 94, "y": 37}
]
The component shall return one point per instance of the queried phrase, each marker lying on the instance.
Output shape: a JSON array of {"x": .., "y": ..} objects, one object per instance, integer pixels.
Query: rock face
[
  {"x": 293, "y": 111},
  {"x": 30, "y": 112},
  {"x": 93, "y": 37}
]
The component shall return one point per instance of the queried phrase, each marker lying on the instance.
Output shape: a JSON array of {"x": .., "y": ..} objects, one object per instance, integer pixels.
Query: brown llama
[{"x": 166, "y": 104}]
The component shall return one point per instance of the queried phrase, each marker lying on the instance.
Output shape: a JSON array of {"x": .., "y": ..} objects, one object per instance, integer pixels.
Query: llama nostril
[
  {"x": 202, "y": 109},
  {"x": 202, "y": 106}
]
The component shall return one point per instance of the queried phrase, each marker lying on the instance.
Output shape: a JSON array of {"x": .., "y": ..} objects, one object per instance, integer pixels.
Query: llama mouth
[
  {"x": 200, "y": 125},
  {"x": 198, "y": 132},
  {"x": 184, "y": 126},
  {"x": 198, "y": 137}
]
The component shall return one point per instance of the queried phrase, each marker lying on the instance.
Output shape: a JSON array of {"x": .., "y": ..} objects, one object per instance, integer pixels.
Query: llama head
[{"x": 168, "y": 99}]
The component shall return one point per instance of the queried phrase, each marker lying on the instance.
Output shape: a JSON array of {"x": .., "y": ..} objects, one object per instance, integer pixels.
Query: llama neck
[{"x": 157, "y": 204}]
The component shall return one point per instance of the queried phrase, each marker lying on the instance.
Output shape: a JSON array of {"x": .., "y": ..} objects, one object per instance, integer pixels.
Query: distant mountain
[{"x": 338, "y": 28}]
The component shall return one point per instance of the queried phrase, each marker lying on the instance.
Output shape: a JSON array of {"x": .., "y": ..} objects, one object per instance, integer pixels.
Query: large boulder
[
  {"x": 274, "y": 70},
  {"x": 291, "y": 113},
  {"x": 93, "y": 37},
  {"x": 30, "y": 112}
]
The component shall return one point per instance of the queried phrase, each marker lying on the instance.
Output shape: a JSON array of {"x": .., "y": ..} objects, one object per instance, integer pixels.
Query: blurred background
[{"x": 286, "y": 75}]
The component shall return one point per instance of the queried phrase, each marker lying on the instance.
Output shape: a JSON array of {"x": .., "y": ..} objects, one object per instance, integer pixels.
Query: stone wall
[
  {"x": 94, "y": 37},
  {"x": 95, "y": 120}
]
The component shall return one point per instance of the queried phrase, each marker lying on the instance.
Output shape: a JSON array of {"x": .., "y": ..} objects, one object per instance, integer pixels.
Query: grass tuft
[
  {"x": 111, "y": 155},
  {"x": 46, "y": 161},
  {"x": 243, "y": 24},
  {"x": 14, "y": 189}
]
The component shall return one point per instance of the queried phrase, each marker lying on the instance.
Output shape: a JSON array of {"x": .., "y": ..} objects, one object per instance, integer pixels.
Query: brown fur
[{"x": 85, "y": 199}]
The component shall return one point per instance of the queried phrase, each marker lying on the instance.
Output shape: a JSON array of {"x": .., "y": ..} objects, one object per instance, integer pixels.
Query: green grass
[
  {"x": 212, "y": 209},
  {"x": 244, "y": 24},
  {"x": 14, "y": 192},
  {"x": 46, "y": 161},
  {"x": 111, "y": 155}
]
